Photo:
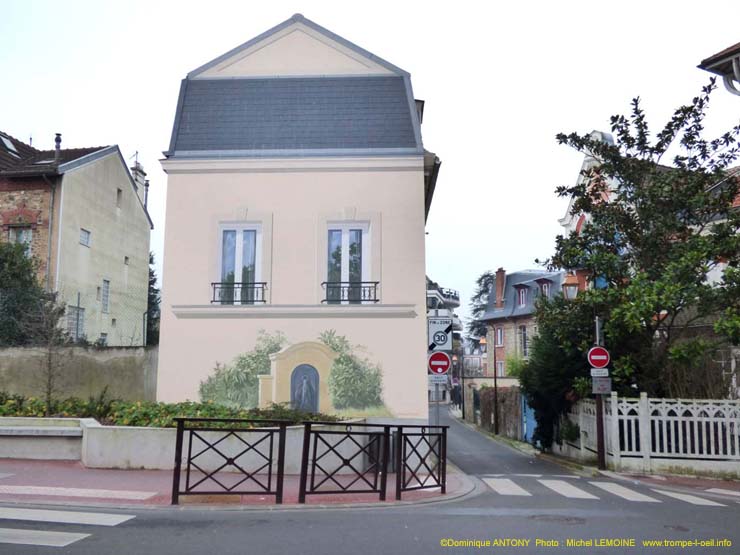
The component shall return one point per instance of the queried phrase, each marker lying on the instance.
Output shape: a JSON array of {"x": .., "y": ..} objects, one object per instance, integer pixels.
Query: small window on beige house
[
  {"x": 119, "y": 196},
  {"x": 84, "y": 237}
]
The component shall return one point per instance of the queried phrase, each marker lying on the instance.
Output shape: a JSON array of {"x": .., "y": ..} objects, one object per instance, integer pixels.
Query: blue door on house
[{"x": 528, "y": 421}]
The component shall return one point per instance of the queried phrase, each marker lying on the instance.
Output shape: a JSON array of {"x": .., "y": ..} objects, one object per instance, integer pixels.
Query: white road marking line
[
  {"x": 724, "y": 491},
  {"x": 624, "y": 493},
  {"x": 505, "y": 486},
  {"x": 689, "y": 498},
  {"x": 65, "y": 517},
  {"x": 5, "y": 475},
  {"x": 39, "y": 537},
  {"x": 77, "y": 492},
  {"x": 566, "y": 490}
]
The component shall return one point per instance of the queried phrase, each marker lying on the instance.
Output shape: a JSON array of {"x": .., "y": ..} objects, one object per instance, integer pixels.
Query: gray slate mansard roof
[
  {"x": 515, "y": 280},
  {"x": 296, "y": 116}
]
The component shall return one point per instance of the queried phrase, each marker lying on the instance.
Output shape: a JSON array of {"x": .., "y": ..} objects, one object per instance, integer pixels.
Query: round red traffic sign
[
  {"x": 598, "y": 357},
  {"x": 439, "y": 363}
]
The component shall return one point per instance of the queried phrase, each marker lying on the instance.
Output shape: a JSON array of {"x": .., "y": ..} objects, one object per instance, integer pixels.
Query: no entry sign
[
  {"x": 598, "y": 357},
  {"x": 439, "y": 363}
]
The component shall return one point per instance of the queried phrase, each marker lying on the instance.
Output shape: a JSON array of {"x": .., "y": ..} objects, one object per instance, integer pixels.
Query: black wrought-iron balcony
[
  {"x": 238, "y": 293},
  {"x": 352, "y": 292}
]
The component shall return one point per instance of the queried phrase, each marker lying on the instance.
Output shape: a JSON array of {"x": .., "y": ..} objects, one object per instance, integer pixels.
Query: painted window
[
  {"x": 347, "y": 263},
  {"x": 21, "y": 235},
  {"x": 84, "y": 237},
  {"x": 75, "y": 322},
  {"x": 240, "y": 264},
  {"x": 105, "y": 297},
  {"x": 119, "y": 197},
  {"x": 499, "y": 337},
  {"x": 103, "y": 340},
  {"x": 522, "y": 296},
  {"x": 523, "y": 341}
]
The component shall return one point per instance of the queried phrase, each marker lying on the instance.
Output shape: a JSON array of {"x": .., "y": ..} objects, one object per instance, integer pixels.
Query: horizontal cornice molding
[
  {"x": 295, "y": 311},
  {"x": 282, "y": 165}
]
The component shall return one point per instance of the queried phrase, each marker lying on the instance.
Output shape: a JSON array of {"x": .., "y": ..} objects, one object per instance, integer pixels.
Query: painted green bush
[
  {"x": 354, "y": 382},
  {"x": 236, "y": 385}
]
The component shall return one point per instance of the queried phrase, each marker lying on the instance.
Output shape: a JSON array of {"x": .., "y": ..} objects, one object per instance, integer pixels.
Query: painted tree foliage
[
  {"x": 660, "y": 217},
  {"x": 236, "y": 384}
]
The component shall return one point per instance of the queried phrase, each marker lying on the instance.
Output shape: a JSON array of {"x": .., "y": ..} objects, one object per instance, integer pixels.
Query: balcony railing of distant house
[
  {"x": 352, "y": 292},
  {"x": 238, "y": 293}
]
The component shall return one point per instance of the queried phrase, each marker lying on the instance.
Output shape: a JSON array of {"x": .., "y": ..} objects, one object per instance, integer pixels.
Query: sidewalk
[{"x": 68, "y": 482}]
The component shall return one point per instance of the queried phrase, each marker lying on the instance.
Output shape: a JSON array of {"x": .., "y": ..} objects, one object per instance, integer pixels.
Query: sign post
[
  {"x": 438, "y": 364},
  {"x": 601, "y": 384}
]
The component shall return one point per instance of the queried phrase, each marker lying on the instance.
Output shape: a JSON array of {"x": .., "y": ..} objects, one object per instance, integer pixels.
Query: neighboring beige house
[
  {"x": 84, "y": 218},
  {"x": 298, "y": 188}
]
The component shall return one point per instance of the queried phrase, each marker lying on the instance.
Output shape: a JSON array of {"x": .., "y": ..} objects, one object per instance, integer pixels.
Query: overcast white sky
[{"x": 500, "y": 80}]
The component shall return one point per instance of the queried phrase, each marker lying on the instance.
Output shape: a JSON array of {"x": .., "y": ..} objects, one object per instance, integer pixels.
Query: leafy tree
[
  {"x": 354, "y": 383},
  {"x": 152, "y": 306},
  {"x": 19, "y": 290},
  {"x": 41, "y": 326},
  {"x": 653, "y": 240},
  {"x": 659, "y": 217},
  {"x": 475, "y": 327},
  {"x": 236, "y": 385}
]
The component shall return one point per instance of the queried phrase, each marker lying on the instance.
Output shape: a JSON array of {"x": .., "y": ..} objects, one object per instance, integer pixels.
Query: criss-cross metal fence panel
[
  {"x": 339, "y": 458},
  {"x": 230, "y": 456},
  {"x": 421, "y": 458}
]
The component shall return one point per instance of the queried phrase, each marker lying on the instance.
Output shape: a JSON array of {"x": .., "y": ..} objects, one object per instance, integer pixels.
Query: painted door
[{"x": 304, "y": 388}]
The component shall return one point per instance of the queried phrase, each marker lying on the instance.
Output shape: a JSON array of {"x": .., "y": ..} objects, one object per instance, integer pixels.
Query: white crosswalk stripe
[
  {"x": 77, "y": 492},
  {"x": 39, "y": 537},
  {"x": 734, "y": 493},
  {"x": 566, "y": 490},
  {"x": 505, "y": 486},
  {"x": 53, "y": 538},
  {"x": 624, "y": 493},
  {"x": 693, "y": 499},
  {"x": 63, "y": 517}
]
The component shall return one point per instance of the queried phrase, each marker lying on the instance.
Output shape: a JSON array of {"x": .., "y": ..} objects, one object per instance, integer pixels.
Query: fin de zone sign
[
  {"x": 598, "y": 357},
  {"x": 439, "y": 363}
]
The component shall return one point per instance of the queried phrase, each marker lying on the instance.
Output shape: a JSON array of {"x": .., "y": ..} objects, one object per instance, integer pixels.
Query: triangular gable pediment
[{"x": 296, "y": 47}]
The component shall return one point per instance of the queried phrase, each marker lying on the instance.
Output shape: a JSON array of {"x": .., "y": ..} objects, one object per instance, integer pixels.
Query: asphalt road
[{"x": 556, "y": 505}]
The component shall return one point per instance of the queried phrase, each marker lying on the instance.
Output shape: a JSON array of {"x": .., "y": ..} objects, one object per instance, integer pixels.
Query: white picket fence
[{"x": 653, "y": 434}]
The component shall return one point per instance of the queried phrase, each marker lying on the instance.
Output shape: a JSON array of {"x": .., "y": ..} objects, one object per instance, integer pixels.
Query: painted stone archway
[{"x": 276, "y": 386}]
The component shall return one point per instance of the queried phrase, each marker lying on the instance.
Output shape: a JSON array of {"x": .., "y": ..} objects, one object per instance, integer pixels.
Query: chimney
[
  {"x": 57, "y": 148},
  {"x": 500, "y": 283},
  {"x": 140, "y": 182}
]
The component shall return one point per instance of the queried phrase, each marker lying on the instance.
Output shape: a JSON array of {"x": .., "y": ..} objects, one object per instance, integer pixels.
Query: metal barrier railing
[
  {"x": 421, "y": 458},
  {"x": 243, "y": 465},
  {"x": 344, "y": 461}
]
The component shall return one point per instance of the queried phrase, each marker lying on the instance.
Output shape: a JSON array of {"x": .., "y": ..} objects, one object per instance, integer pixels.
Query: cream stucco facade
[
  {"x": 292, "y": 200},
  {"x": 117, "y": 251}
]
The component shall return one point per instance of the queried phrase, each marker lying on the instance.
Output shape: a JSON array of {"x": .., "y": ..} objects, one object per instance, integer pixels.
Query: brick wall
[{"x": 26, "y": 202}]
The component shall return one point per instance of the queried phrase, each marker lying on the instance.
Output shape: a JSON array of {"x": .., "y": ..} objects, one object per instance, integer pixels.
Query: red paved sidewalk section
[{"x": 69, "y": 482}]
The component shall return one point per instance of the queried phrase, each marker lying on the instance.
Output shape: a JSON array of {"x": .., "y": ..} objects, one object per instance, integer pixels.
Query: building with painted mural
[
  {"x": 298, "y": 189},
  {"x": 83, "y": 217}
]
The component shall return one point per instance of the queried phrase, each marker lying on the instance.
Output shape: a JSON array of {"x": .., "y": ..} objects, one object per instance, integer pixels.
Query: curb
[{"x": 468, "y": 488}]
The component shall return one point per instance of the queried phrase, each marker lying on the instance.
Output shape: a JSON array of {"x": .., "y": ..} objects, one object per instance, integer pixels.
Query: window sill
[{"x": 296, "y": 311}]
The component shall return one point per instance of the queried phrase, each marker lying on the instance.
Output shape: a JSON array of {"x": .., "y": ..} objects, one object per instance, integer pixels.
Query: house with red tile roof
[{"x": 82, "y": 216}]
